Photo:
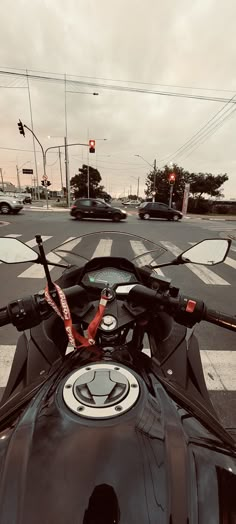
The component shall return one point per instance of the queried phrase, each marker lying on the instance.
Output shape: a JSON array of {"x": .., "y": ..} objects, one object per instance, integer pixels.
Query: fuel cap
[
  {"x": 101, "y": 390},
  {"x": 108, "y": 323}
]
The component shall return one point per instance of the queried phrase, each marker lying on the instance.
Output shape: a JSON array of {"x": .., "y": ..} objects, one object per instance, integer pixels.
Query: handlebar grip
[
  {"x": 220, "y": 319},
  {"x": 4, "y": 317}
]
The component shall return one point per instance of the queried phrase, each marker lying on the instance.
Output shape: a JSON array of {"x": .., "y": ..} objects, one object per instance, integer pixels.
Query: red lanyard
[{"x": 64, "y": 314}]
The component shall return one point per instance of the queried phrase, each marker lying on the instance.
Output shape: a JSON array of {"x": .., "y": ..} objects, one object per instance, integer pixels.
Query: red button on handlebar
[{"x": 191, "y": 306}]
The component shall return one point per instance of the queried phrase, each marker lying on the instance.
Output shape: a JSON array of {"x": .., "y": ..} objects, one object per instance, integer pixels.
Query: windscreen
[{"x": 140, "y": 251}]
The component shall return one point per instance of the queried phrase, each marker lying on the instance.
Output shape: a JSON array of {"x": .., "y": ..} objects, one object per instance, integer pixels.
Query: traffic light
[
  {"x": 21, "y": 128},
  {"x": 92, "y": 146},
  {"x": 48, "y": 183},
  {"x": 172, "y": 178}
]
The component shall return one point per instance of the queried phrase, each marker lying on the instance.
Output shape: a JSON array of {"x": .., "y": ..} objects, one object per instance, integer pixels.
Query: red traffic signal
[
  {"x": 21, "y": 128},
  {"x": 92, "y": 146},
  {"x": 172, "y": 178}
]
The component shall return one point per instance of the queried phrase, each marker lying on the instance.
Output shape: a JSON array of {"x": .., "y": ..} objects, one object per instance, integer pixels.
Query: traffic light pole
[{"x": 171, "y": 194}]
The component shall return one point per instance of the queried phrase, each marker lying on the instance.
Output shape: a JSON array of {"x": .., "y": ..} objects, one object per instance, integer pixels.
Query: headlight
[
  {"x": 14, "y": 201},
  {"x": 122, "y": 211}
]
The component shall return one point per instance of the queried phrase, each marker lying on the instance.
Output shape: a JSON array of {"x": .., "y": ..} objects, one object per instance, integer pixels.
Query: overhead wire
[
  {"x": 215, "y": 122},
  {"x": 118, "y": 88}
]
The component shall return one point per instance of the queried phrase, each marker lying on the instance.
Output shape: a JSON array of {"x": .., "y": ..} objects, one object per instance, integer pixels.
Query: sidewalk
[{"x": 223, "y": 218}]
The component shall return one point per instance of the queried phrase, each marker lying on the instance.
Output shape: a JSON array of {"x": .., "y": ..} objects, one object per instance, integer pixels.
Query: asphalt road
[{"x": 216, "y": 286}]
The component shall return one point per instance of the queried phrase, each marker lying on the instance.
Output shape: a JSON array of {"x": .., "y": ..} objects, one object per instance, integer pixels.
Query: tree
[
  {"x": 160, "y": 183},
  {"x": 200, "y": 184},
  {"x": 79, "y": 183},
  {"x": 206, "y": 183}
]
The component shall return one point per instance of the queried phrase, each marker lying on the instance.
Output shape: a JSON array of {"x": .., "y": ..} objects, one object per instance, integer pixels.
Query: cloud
[{"x": 173, "y": 42}]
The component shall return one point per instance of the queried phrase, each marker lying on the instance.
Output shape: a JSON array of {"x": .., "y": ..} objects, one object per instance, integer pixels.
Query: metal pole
[
  {"x": 171, "y": 194},
  {"x": 32, "y": 126},
  {"x": 67, "y": 173},
  {"x": 88, "y": 179},
  {"x": 18, "y": 177},
  {"x": 138, "y": 188},
  {"x": 45, "y": 177},
  {"x": 154, "y": 179},
  {"x": 60, "y": 168},
  {"x": 2, "y": 180}
]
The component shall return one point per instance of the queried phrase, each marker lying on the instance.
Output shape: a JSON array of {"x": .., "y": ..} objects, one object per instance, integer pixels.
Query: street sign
[
  {"x": 27, "y": 171},
  {"x": 45, "y": 177}
]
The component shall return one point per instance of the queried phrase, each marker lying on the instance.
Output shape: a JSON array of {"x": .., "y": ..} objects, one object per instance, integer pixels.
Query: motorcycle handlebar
[
  {"x": 184, "y": 309},
  {"x": 4, "y": 317},
  {"x": 30, "y": 311}
]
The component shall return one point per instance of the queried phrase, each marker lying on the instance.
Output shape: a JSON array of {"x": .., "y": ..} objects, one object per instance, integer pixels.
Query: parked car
[
  {"x": 95, "y": 208},
  {"x": 158, "y": 210},
  {"x": 10, "y": 204},
  {"x": 131, "y": 202}
]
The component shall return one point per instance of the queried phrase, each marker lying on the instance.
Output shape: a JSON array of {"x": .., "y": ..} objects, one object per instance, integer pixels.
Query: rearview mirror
[
  {"x": 208, "y": 252},
  {"x": 13, "y": 251}
]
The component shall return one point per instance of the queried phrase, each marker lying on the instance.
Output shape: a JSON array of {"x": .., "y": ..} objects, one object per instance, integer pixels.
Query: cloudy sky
[{"x": 172, "y": 46}]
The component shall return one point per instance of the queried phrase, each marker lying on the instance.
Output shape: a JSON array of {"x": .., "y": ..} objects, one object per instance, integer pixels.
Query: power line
[
  {"x": 193, "y": 140},
  {"x": 210, "y": 133},
  {"x": 118, "y": 88},
  {"x": 129, "y": 81}
]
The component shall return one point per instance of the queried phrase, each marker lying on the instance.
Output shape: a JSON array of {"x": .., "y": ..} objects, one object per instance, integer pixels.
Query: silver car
[{"x": 10, "y": 204}]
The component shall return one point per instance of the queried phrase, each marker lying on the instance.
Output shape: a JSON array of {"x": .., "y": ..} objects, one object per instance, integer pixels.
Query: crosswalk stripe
[
  {"x": 37, "y": 271},
  {"x": 33, "y": 243},
  {"x": 13, "y": 235},
  {"x": 205, "y": 274},
  {"x": 103, "y": 248},
  {"x": 139, "y": 249},
  {"x": 219, "y": 367}
]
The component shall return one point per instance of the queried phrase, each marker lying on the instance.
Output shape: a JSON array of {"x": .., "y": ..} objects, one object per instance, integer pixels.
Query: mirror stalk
[{"x": 44, "y": 262}]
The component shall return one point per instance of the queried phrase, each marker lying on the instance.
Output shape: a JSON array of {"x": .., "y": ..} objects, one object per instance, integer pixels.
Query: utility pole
[
  {"x": 88, "y": 179},
  {"x": 32, "y": 126},
  {"x": 138, "y": 188},
  {"x": 18, "y": 177},
  {"x": 2, "y": 180},
  {"x": 59, "y": 149},
  {"x": 154, "y": 179},
  {"x": 67, "y": 172}
]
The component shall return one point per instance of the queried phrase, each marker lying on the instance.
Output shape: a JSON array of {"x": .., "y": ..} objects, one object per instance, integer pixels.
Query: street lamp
[{"x": 154, "y": 166}]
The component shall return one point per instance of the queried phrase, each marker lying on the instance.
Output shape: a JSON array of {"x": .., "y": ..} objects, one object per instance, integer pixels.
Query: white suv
[{"x": 10, "y": 204}]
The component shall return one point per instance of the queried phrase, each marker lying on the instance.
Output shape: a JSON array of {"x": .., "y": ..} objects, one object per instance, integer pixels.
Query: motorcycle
[{"x": 106, "y": 416}]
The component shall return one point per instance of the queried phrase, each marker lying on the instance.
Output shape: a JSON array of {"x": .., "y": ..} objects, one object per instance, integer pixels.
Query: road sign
[
  {"x": 27, "y": 171},
  {"x": 45, "y": 177}
]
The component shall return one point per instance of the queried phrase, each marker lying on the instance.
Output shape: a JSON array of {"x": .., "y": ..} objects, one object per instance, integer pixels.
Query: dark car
[
  {"x": 95, "y": 208},
  {"x": 158, "y": 210}
]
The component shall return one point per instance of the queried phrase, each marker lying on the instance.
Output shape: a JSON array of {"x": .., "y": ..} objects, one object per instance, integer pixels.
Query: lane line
[
  {"x": 37, "y": 271},
  {"x": 139, "y": 248},
  {"x": 206, "y": 275},
  {"x": 103, "y": 248}
]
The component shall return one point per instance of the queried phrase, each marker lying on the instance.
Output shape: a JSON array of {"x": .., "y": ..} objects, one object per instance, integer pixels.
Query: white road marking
[
  {"x": 13, "y": 235},
  {"x": 33, "y": 243},
  {"x": 37, "y": 271},
  {"x": 219, "y": 370},
  {"x": 219, "y": 367},
  {"x": 205, "y": 274},
  {"x": 139, "y": 249},
  {"x": 103, "y": 248}
]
